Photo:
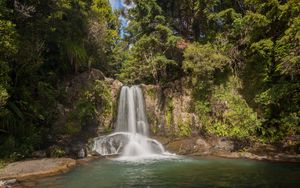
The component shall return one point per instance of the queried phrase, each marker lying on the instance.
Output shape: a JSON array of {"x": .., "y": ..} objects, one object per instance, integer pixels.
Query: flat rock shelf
[{"x": 36, "y": 168}]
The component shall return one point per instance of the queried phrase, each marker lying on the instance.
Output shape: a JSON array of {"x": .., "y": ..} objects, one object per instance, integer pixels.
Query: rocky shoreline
[
  {"x": 279, "y": 157},
  {"x": 189, "y": 146},
  {"x": 21, "y": 171},
  {"x": 222, "y": 147}
]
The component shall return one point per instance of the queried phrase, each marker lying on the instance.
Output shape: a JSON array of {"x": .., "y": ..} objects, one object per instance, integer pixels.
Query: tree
[{"x": 153, "y": 56}]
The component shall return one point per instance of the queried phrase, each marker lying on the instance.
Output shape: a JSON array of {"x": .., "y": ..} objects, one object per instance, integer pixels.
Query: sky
[{"x": 116, "y": 4}]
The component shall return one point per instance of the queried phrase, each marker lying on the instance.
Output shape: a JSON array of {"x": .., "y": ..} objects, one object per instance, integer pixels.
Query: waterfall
[
  {"x": 131, "y": 136},
  {"x": 131, "y": 112}
]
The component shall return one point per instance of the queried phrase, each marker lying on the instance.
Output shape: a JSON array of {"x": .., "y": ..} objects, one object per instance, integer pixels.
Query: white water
[{"x": 131, "y": 137}]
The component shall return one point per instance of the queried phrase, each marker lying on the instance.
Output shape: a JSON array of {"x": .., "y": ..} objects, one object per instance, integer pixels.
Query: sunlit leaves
[{"x": 203, "y": 60}]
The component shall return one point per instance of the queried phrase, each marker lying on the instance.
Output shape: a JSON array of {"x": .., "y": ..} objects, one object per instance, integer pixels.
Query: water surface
[{"x": 177, "y": 172}]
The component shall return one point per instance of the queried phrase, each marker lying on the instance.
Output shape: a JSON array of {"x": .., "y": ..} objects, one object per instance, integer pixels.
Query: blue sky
[{"x": 116, "y": 4}]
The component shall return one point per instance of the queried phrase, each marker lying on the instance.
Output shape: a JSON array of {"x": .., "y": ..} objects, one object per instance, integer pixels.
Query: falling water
[{"x": 131, "y": 137}]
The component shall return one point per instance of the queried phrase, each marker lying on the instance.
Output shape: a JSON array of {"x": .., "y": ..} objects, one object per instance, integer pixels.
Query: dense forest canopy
[{"x": 241, "y": 58}]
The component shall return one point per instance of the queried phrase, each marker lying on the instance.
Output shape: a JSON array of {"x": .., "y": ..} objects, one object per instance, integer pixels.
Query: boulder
[
  {"x": 39, "y": 154},
  {"x": 11, "y": 181},
  {"x": 36, "y": 168},
  {"x": 225, "y": 145},
  {"x": 81, "y": 153},
  {"x": 2, "y": 184},
  {"x": 202, "y": 143}
]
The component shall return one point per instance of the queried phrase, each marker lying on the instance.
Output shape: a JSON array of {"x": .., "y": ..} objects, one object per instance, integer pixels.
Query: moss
[
  {"x": 95, "y": 101},
  {"x": 105, "y": 101},
  {"x": 169, "y": 112},
  {"x": 56, "y": 151},
  {"x": 2, "y": 163},
  {"x": 184, "y": 127},
  {"x": 150, "y": 92},
  {"x": 72, "y": 128},
  {"x": 152, "y": 122}
]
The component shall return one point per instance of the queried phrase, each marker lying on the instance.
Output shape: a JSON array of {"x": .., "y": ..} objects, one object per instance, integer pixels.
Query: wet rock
[
  {"x": 36, "y": 168},
  {"x": 182, "y": 146},
  {"x": 11, "y": 181},
  {"x": 7, "y": 183},
  {"x": 68, "y": 130},
  {"x": 202, "y": 143},
  {"x": 67, "y": 150},
  {"x": 76, "y": 146},
  {"x": 81, "y": 153},
  {"x": 225, "y": 145},
  {"x": 2, "y": 184},
  {"x": 169, "y": 110},
  {"x": 29, "y": 184},
  {"x": 39, "y": 154},
  {"x": 94, "y": 153}
]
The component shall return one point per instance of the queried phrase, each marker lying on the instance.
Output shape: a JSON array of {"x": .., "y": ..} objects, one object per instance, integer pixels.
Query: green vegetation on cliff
[
  {"x": 43, "y": 43},
  {"x": 240, "y": 59}
]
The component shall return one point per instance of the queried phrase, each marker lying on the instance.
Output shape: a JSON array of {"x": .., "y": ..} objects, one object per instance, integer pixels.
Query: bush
[
  {"x": 2, "y": 163},
  {"x": 56, "y": 151},
  {"x": 228, "y": 113}
]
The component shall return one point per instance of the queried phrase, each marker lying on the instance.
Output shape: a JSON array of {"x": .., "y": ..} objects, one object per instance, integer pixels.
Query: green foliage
[
  {"x": 56, "y": 151},
  {"x": 2, "y": 163},
  {"x": 71, "y": 128},
  {"x": 202, "y": 109},
  {"x": 94, "y": 102},
  {"x": 281, "y": 110},
  {"x": 148, "y": 30},
  {"x": 3, "y": 96},
  {"x": 151, "y": 92},
  {"x": 169, "y": 113},
  {"x": 18, "y": 148},
  {"x": 203, "y": 60},
  {"x": 256, "y": 41},
  {"x": 184, "y": 127},
  {"x": 231, "y": 116},
  {"x": 7, "y": 38},
  {"x": 41, "y": 44},
  {"x": 76, "y": 54},
  {"x": 103, "y": 94}
]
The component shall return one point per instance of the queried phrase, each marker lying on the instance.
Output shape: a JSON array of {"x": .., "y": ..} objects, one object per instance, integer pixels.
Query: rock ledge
[{"x": 36, "y": 168}]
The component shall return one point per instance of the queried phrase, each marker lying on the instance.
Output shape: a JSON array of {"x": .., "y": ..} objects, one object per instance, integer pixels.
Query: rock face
[
  {"x": 81, "y": 153},
  {"x": 36, "y": 168},
  {"x": 169, "y": 110},
  {"x": 86, "y": 111},
  {"x": 90, "y": 106},
  {"x": 196, "y": 145}
]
